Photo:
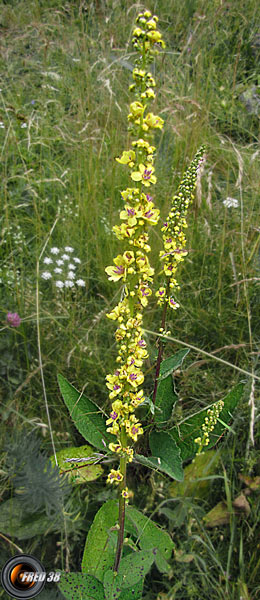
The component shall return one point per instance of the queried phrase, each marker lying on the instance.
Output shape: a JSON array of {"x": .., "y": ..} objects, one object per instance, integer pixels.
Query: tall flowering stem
[
  {"x": 132, "y": 267},
  {"x": 174, "y": 242}
]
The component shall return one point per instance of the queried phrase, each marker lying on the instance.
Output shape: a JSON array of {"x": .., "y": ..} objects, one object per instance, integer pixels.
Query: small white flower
[
  {"x": 2, "y": 125},
  {"x": 54, "y": 250},
  {"x": 71, "y": 266},
  {"x": 59, "y": 284},
  {"x": 59, "y": 262},
  {"x": 46, "y": 275},
  {"x": 69, "y": 284},
  {"x": 58, "y": 270},
  {"x": 71, "y": 275},
  {"x": 76, "y": 260},
  {"x": 47, "y": 261},
  {"x": 80, "y": 282},
  {"x": 68, "y": 249},
  {"x": 23, "y": 125},
  {"x": 65, "y": 257},
  {"x": 231, "y": 202}
]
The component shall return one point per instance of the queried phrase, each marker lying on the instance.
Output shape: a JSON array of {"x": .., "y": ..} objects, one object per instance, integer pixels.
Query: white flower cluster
[
  {"x": 231, "y": 202},
  {"x": 61, "y": 267}
]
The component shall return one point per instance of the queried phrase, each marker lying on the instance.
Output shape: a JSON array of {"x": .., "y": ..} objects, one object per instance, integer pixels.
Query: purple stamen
[
  {"x": 119, "y": 270},
  {"x": 147, "y": 174},
  {"x": 134, "y": 429},
  {"x": 116, "y": 387},
  {"x": 113, "y": 415},
  {"x": 133, "y": 376}
]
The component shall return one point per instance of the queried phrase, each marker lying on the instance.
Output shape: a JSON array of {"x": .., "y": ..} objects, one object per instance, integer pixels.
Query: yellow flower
[
  {"x": 121, "y": 268},
  {"x": 145, "y": 175},
  {"x": 127, "y": 158},
  {"x": 153, "y": 121},
  {"x": 125, "y": 493},
  {"x": 114, "y": 477},
  {"x": 138, "y": 32},
  {"x": 173, "y": 304},
  {"x": 135, "y": 377},
  {"x": 133, "y": 428},
  {"x": 149, "y": 93},
  {"x": 137, "y": 398},
  {"x": 151, "y": 24},
  {"x": 131, "y": 214},
  {"x": 115, "y": 447},
  {"x": 137, "y": 109}
]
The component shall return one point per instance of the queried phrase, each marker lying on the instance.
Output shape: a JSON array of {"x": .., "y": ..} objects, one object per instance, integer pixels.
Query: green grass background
[{"x": 65, "y": 71}]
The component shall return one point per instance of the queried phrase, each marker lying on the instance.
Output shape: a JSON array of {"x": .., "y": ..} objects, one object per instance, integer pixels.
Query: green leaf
[
  {"x": 88, "y": 418},
  {"x": 132, "y": 569},
  {"x": 99, "y": 551},
  {"x": 133, "y": 593},
  {"x": 149, "y": 536},
  {"x": 77, "y": 586},
  {"x": 115, "y": 589},
  {"x": 197, "y": 476},
  {"x": 16, "y": 523},
  {"x": 165, "y": 401},
  {"x": 185, "y": 433},
  {"x": 166, "y": 396},
  {"x": 135, "y": 566},
  {"x": 165, "y": 448},
  {"x": 90, "y": 472},
  {"x": 112, "y": 585},
  {"x": 172, "y": 363}
]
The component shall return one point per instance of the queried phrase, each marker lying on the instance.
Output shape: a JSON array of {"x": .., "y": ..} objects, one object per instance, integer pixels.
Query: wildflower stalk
[
  {"x": 133, "y": 267},
  {"x": 174, "y": 251}
]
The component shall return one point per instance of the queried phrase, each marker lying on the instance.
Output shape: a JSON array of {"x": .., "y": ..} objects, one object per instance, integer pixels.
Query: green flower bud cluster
[
  {"x": 209, "y": 424},
  {"x": 174, "y": 239}
]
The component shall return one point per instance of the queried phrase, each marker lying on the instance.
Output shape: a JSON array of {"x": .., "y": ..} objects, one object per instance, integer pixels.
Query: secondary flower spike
[
  {"x": 132, "y": 267},
  {"x": 174, "y": 240}
]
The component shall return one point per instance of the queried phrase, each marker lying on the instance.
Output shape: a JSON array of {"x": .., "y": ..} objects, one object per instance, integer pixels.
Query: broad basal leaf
[
  {"x": 88, "y": 418},
  {"x": 99, "y": 551},
  {"x": 185, "y": 433},
  {"x": 149, "y": 536},
  {"x": 77, "y": 586}
]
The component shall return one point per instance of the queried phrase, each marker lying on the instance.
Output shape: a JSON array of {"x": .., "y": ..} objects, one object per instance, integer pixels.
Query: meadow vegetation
[{"x": 65, "y": 72}]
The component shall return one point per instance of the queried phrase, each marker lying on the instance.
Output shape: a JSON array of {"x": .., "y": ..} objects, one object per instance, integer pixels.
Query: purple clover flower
[{"x": 13, "y": 319}]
